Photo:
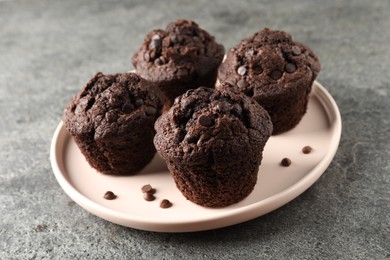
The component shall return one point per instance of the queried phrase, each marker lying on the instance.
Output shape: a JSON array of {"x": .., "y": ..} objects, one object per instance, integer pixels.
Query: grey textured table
[{"x": 49, "y": 49}]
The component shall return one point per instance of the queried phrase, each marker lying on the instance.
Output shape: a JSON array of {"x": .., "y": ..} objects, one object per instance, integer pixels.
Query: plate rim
[{"x": 220, "y": 219}]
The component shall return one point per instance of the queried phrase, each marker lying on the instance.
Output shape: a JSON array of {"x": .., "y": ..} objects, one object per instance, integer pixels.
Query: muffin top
[
  {"x": 112, "y": 105},
  {"x": 269, "y": 63},
  {"x": 180, "y": 52},
  {"x": 219, "y": 127}
]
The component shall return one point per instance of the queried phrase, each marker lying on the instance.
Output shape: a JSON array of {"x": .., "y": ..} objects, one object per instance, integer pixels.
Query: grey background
[{"x": 49, "y": 49}]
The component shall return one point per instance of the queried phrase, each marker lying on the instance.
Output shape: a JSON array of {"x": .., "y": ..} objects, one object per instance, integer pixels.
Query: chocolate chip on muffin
[
  {"x": 276, "y": 71},
  {"x": 111, "y": 120},
  {"x": 212, "y": 141},
  {"x": 181, "y": 57}
]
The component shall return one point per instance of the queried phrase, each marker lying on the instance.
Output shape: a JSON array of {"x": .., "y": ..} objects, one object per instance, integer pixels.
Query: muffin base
[
  {"x": 286, "y": 111},
  {"x": 118, "y": 157},
  {"x": 215, "y": 186}
]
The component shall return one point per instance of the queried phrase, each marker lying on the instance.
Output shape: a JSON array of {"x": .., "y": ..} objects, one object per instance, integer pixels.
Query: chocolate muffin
[
  {"x": 212, "y": 142},
  {"x": 111, "y": 121},
  {"x": 276, "y": 71},
  {"x": 181, "y": 57}
]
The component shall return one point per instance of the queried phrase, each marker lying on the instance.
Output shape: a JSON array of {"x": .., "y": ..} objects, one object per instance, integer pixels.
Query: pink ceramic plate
[{"x": 320, "y": 128}]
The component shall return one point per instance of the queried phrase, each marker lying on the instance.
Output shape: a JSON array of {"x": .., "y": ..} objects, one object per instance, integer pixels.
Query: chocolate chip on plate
[
  {"x": 165, "y": 204},
  {"x": 109, "y": 195},
  {"x": 307, "y": 149},
  {"x": 148, "y": 189},
  {"x": 149, "y": 196},
  {"x": 285, "y": 162}
]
